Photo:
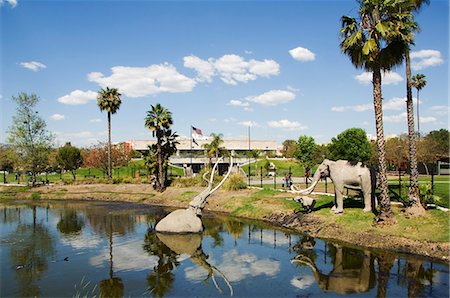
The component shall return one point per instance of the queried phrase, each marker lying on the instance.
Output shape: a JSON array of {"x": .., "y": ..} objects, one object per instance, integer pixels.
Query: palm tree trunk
[
  {"x": 160, "y": 183},
  {"x": 109, "y": 146},
  {"x": 416, "y": 208},
  {"x": 418, "y": 120},
  {"x": 385, "y": 216}
]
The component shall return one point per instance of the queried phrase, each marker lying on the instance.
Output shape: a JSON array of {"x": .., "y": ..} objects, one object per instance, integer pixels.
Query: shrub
[
  {"x": 127, "y": 180},
  {"x": 235, "y": 182},
  {"x": 116, "y": 180},
  {"x": 426, "y": 194},
  {"x": 35, "y": 196}
]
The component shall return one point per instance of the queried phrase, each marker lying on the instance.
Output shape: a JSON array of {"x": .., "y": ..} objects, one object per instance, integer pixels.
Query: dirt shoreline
[{"x": 309, "y": 224}]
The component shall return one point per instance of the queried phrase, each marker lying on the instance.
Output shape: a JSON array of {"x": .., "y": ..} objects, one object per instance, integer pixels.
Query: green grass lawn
[{"x": 134, "y": 169}]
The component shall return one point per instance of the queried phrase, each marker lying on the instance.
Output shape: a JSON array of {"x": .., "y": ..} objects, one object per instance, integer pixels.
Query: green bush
[
  {"x": 235, "y": 182},
  {"x": 117, "y": 180},
  {"x": 127, "y": 180},
  {"x": 35, "y": 196},
  {"x": 426, "y": 194},
  {"x": 66, "y": 181}
]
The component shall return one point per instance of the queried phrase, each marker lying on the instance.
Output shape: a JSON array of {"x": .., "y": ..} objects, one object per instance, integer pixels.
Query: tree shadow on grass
[{"x": 350, "y": 202}]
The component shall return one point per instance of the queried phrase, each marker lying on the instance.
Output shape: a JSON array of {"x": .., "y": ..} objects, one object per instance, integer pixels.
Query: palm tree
[
  {"x": 214, "y": 148},
  {"x": 109, "y": 100},
  {"x": 375, "y": 44},
  {"x": 407, "y": 29},
  {"x": 418, "y": 81},
  {"x": 159, "y": 120}
]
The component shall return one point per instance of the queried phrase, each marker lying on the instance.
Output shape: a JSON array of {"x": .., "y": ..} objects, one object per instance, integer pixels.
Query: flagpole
[{"x": 190, "y": 137}]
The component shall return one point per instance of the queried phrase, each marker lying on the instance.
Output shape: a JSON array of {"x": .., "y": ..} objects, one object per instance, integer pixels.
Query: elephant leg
[
  {"x": 367, "y": 200},
  {"x": 339, "y": 202}
]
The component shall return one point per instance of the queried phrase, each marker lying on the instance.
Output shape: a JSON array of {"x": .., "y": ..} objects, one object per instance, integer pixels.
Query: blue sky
[{"x": 217, "y": 65}]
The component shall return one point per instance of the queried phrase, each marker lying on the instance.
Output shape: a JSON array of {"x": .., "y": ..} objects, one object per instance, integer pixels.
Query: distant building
[{"x": 184, "y": 146}]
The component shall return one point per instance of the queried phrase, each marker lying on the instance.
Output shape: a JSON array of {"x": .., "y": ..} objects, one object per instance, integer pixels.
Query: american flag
[{"x": 196, "y": 131}]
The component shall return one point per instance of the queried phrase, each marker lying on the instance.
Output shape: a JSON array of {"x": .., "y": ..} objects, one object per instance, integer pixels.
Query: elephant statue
[
  {"x": 353, "y": 271},
  {"x": 345, "y": 174},
  {"x": 189, "y": 220}
]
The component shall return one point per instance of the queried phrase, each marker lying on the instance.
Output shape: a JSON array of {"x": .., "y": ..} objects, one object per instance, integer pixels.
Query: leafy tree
[
  {"x": 69, "y": 158},
  {"x": 418, "y": 81},
  {"x": 374, "y": 42},
  {"x": 289, "y": 148},
  {"x": 321, "y": 153},
  {"x": 351, "y": 144},
  {"x": 29, "y": 136},
  {"x": 159, "y": 120},
  {"x": 97, "y": 157},
  {"x": 8, "y": 160},
  {"x": 109, "y": 100},
  {"x": 396, "y": 151},
  {"x": 306, "y": 150},
  {"x": 442, "y": 138}
]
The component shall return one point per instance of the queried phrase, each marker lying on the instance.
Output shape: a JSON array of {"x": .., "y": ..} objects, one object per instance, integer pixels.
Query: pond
[{"x": 67, "y": 249}]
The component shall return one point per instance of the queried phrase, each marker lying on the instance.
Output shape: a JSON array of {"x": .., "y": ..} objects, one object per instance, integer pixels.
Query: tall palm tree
[
  {"x": 109, "y": 100},
  {"x": 159, "y": 120},
  {"x": 373, "y": 43},
  {"x": 214, "y": 148},
  {"x": 407, "y": 28},
  {"x": 418, "y": 81}
]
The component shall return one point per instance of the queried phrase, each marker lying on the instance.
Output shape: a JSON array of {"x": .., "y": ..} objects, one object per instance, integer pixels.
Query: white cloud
[
  {"x": 302, "y": 54},
  {"x": 394, "y": 104},
  {"x": 248, "y": 109},
  {"x": 57, "y": 117},
  {"x": 81, "y": 241},
  {"x": 205, "y": 69},
  {"x": 397, "y": 103},
  {"x": 387, "y": 78},
  {"x": 13, "y": 3},
  {"x": 248, "y": 52},
  {"x": 231, "y": 68},
  {"x": 238, "y": 103},
  {"x": 78, "y": 97},
  {"x": 287, "y": 125},
  {"x": 229, "y": 120},
  {"x": 82, "y": 138},
  {"x": 440, "y": 110},
  {"x": 249, "y": 123},
  {"x": 128, "y": 256},
  {"x": 355, "y": 108},
  {"x": 425, "y": 58},
  {"x": 33, "y": 65},
  {"x": 237, "y": 266},
  {"x": 144, "y": 81},
  {"x": 273, "y": 97},
  {"x": 396, "y": 118},
  {"x": 96, "y": 120},
  {"x": 303, "y": 282}
]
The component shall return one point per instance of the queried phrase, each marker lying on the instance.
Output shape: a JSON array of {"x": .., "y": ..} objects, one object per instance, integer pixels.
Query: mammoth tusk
[{"x": 306, "y": 191}]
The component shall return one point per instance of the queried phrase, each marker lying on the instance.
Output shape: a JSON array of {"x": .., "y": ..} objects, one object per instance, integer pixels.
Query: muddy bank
[
  {"x": 275, "y": 212},
  {"x": 313, "y": 226}
]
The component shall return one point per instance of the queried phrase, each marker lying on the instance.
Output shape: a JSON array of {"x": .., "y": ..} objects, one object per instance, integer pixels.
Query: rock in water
[{"x": 180, "y": 221}]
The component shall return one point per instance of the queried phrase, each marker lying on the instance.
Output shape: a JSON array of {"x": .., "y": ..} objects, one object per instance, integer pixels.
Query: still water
[{"x": 56, "y": 249}]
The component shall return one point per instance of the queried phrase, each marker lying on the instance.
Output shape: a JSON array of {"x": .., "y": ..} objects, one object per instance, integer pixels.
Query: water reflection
[
  {"x": 353, "y": 270},
  {"x": 31, "y": 246},
  {"x": 114, "y": 247},
  {"x": 113, "y": 286}
]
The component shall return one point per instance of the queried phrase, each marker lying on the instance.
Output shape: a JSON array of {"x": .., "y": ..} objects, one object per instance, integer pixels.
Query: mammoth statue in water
[
  {"x": 188, "y": 220},
  {"x": 345, "y": 174}
]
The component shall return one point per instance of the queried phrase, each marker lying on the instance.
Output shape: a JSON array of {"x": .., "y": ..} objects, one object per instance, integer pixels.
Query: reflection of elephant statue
[
  {"x": 188, "y": 220},
  {"x": 353, "y": 271},
  {"x": 345, "y": 174},
  {"x": 191, "y": 244}
]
